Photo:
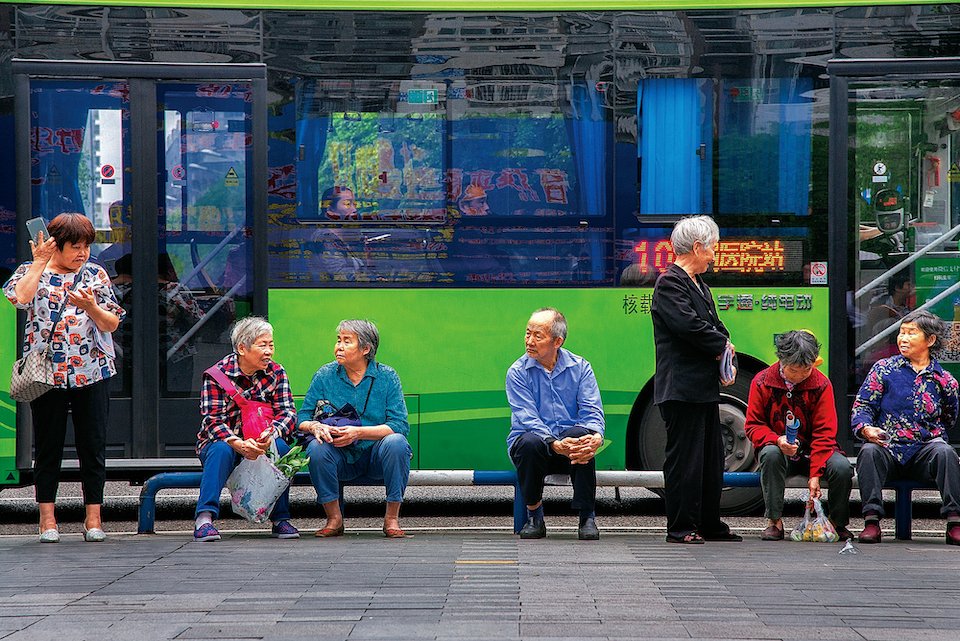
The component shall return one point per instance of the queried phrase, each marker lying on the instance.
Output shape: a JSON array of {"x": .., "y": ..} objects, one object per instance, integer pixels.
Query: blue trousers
[
  {"x": 218, "y": 460},
  {"x": 388, "y": 461}
]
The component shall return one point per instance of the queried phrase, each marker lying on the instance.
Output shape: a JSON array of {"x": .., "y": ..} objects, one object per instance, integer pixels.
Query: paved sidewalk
[{"x": 470, "y": 585}]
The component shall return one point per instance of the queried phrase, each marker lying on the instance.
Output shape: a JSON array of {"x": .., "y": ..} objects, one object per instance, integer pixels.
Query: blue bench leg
[
  {"x": 903, "y": 514},
  {"x": 519, "y": 510},
  {"x": 148, "y": 507}
]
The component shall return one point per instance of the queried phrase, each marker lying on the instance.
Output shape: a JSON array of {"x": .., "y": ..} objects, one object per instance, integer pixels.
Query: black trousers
[
  {"x": 90, "y": 407},
  {"x": 534, "y": 459},
  {"x": 693, "y": 469}
]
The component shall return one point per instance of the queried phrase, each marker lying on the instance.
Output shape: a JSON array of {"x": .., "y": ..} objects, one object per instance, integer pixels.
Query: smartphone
[{"x": 35, "y": 226}]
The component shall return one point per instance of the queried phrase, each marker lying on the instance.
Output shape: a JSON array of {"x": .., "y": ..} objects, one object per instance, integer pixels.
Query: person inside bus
[
  {"x": 889, "y": 308},
  {"x": 556, "y": 422},
  {"x": 220, "y": 443},
  {"x": 339, "y": 204},
  {"x": 71, "y": 301},
  {"x": 355, "y": 424},
  {"x": 793, "y": 389},
  {"x": 332, "y": 256},
  {"x": 903, "y": 411},
  {"x": 691, "y": 344}
]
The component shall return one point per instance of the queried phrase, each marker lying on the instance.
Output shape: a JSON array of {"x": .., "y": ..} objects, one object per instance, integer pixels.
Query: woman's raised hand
[{"x": 43, "y": 250}]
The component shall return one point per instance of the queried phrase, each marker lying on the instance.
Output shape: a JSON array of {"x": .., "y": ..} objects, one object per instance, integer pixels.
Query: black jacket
[{"x": 688, "y": 336}]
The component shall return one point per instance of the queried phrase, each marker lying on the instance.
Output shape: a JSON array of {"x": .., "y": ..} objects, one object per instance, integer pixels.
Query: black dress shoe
[
  {"x": 534, "y": 529},
  {"x": 588, "y": 531}
]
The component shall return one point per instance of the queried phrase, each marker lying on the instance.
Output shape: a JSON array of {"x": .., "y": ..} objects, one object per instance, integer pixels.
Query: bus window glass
[
  {"x": 411, "y": 182},
  {"x": 734, "y": 146},
  {"x": 905, "y": 153},
  {"x": 203, "y": 278}
]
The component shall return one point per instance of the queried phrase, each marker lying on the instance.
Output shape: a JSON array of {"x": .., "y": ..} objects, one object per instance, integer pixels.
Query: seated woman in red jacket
[{"x": 794, "y": 387}]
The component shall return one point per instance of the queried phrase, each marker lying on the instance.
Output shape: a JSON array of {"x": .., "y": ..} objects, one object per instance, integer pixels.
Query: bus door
[
  {"x": 895, "y": 206},
  {"x": 164, "y": 160}
]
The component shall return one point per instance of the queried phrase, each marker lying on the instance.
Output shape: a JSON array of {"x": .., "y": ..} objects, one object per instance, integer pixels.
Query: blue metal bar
[
  {"x": 148, "y": 495},
  {"x": 741, "y": 479}
]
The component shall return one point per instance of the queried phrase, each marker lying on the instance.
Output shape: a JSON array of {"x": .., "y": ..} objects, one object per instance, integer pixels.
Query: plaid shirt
[{"x": 221, "y": 414}]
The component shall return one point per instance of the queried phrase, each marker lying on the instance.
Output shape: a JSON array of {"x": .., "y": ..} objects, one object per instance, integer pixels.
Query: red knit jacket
[{"x": 812, "y": 404}]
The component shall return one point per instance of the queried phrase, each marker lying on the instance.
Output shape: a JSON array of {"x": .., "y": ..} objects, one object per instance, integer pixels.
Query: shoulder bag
[{"x": 255, "y": 416}]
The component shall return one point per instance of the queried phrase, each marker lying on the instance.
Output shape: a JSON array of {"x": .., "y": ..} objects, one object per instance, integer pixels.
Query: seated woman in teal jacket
[{"x": 355, "y": 422}]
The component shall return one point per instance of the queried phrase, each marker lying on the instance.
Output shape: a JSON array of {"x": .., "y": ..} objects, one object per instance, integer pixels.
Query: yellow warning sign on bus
[
  {"x": 953, "y": 174},
  {"x": 231, "y": 179}
]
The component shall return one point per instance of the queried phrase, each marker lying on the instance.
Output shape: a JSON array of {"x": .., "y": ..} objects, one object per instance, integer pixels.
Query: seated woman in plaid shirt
[{"x": 220, "y": 445}]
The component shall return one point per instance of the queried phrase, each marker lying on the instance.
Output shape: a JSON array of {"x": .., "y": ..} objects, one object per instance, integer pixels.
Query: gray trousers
[
  {"x": 936, "y": 461},
  {"x": 775, "y": 467}
]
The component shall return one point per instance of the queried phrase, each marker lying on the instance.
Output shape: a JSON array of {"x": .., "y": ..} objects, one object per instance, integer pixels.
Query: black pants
[
  {"x": 693, "y": 469},
  {"x": 89, "y": 406},
  {"x": 936, "y": 461},
  {"x": 534, "y": 459}
]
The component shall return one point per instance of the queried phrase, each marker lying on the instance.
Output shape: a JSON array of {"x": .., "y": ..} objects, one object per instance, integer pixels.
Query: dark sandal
[
  {"x": 689, "y": 539},
  {"x": 393, "y": 533}
]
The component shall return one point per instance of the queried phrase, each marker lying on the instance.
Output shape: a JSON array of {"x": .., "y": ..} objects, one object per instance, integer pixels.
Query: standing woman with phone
[{"x": 71, "y": 307}]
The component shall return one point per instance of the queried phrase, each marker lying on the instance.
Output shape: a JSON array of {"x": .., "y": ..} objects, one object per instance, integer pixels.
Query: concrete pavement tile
[{"x": 899, "y": 634}]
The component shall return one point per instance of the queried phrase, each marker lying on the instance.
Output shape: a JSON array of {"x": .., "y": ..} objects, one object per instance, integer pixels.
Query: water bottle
[{"x": 791, "y": 425}]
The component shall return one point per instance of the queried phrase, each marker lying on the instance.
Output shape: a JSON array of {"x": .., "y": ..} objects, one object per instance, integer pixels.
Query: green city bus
[{"x": 498, "y": 157}]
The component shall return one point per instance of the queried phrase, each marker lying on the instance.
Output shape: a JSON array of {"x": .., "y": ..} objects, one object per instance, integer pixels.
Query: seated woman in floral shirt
[{"x": 903, "y": 411}]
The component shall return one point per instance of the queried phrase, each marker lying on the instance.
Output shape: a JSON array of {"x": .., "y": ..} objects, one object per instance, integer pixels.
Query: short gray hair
[
  {"x": 366, "y": 333},
  {"x": 930, "y": 325},
  {"x": 558, "y": 327},
  {"x": 797, "y": 347},
  {"x": 689, "y": 230},
  {"x": 247, "y": 330}
]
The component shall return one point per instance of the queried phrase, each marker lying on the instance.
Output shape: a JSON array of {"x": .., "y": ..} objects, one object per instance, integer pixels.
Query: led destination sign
[{"x": 734, "y": 255}]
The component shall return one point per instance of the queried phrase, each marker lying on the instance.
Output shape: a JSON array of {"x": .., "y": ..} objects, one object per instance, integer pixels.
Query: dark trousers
[
  {"x": 90, "y": 407},
  {"x": 936, "y": 461},
  {"x": 534, "y": 459},
  {"x": 693, "y": 469},
  {"x": 775, "y": 467}
]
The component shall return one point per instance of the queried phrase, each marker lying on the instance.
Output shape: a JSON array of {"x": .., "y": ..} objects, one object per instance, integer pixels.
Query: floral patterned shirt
[
  {"x": 82, "y": 353},
  {"x": 912, "y": 408}
]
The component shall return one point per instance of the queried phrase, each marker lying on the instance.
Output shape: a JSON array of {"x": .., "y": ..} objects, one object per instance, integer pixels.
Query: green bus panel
[
  {"x": 483, "y": 5},
  {"x": 8, "y": 409},
  {"x": 452, "y": 348}
]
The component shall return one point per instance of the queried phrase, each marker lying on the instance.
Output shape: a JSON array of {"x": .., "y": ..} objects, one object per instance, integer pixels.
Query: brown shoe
[
  {"x": 329, "y": 532},
  {"x": 772, "y": 533},
  {"x": 844, "y": 534},
  {"x": 871, "y": 532}
]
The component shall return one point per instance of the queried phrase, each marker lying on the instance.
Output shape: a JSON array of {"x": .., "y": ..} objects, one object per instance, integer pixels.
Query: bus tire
[{"x": 649, "y": 436}]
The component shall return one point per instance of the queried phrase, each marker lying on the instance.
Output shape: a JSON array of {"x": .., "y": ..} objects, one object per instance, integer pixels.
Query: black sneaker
[
  {"x": 534, "y": 529},
  {"x": 588, "y": 530}
]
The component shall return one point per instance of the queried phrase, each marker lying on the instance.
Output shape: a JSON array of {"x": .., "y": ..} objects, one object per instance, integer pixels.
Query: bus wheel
[{"x": 651, "y": 440}]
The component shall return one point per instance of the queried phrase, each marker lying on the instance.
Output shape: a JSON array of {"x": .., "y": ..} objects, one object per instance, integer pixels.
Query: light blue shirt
[{"x": 547, "y": 403}]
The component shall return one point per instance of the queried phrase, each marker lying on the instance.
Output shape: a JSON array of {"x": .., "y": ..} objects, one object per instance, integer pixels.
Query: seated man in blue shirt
[{"x": 556, "y": 425}]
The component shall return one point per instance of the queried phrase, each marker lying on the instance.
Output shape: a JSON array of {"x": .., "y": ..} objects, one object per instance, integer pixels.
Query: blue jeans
[
  {"x": 218, "y": 460},
  {"x": 388, "y": 461}
]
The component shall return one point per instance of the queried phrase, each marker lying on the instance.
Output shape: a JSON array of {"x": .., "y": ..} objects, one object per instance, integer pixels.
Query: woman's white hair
[
  {"x": 691, "y": 229},
  {"x": 247, "y": 330}
]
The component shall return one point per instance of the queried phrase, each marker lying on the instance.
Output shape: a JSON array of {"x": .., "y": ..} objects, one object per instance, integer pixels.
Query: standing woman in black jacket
[{"x": 690, "y": 341}]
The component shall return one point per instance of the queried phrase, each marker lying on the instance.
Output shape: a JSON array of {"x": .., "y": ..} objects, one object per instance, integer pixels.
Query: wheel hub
[{"x": 737, "y": 448}]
